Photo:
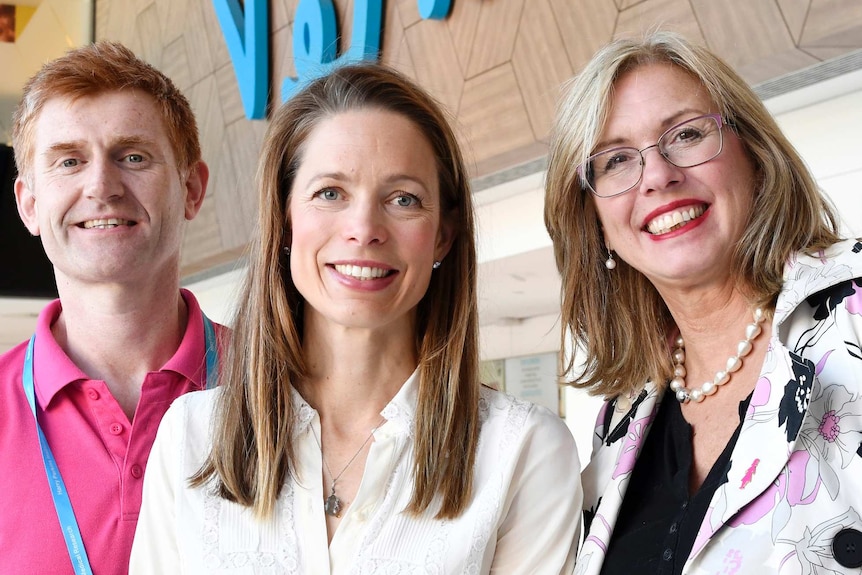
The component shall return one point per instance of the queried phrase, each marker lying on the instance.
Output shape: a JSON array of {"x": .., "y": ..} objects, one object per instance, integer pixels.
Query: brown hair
[
  {"x": 253, "y": 453},
  {"x": 103, "y": 67},
  {"x": 618, "y": 318}
]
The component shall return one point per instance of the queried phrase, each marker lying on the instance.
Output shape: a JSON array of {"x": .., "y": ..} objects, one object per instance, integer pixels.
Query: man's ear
[
  {"x": 196, "y": 188},
  {"x": 26, "y": 203}
]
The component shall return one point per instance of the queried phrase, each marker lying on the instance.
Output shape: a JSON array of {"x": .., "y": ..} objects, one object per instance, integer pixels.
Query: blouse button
[
  {"x": 673, "y": 527},
  {"x": 137, "y": 471},
  {"x": 116, "y": 429},
  {"x": 93, "y": 394},
  {"x": 667, "y": 555},
  {"x": 847, "y": 548}
]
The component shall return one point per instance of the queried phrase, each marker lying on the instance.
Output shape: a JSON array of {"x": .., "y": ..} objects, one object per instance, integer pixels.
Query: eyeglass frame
[{"x": 720, "y": 121}]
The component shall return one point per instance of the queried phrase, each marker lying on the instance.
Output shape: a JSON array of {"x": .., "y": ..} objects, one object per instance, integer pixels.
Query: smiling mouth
[
  {"x": 105, "y": 224},
  {"x": 362, "y": 273},
  {"x": 674, "y": 220}
]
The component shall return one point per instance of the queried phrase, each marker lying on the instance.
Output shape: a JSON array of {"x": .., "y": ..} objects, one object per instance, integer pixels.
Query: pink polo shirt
[{"x": 100, "y": 454}]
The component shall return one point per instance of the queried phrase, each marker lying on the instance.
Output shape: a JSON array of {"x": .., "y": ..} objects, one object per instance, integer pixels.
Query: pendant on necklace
[{"x": 332, "y": 505}]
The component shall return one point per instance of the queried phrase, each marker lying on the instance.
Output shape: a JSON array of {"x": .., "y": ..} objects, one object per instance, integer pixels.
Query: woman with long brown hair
[{"x": 352, "y": 433}]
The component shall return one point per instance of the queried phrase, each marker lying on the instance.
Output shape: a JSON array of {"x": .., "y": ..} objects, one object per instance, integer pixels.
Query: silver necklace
[
  {"x": 332, "y": 505},
  {"x": 734, "y": 362}
]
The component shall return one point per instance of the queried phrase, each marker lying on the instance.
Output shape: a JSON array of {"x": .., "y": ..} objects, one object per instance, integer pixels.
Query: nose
[
  {"x": 658, "y": 173},
  {"x": 365, "y": 223},
  {"x": 103, "y": 181}
]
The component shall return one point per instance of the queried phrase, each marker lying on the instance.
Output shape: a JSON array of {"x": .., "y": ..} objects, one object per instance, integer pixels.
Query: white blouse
[{"x": 524, "y": 516}]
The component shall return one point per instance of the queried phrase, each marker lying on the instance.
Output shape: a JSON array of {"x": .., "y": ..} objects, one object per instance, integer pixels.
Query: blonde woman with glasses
[{"x": 720, "y": 314}]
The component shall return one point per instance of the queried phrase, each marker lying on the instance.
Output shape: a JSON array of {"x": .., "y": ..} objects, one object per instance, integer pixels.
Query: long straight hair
[
  {"x": 619, "y": 318},
  {"x": 253, "y": 447}
]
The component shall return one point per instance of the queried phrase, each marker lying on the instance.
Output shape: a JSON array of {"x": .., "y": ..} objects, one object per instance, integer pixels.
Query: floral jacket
[{"x": 792, "y": 498}]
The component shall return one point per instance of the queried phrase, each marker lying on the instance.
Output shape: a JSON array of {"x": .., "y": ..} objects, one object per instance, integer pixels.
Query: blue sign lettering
[
  {"x": 246, "y": 35},
  {"x": 434, "y": 9},
  {"x": 245, "y": 27},
  {"x": 315, "y": 38}
]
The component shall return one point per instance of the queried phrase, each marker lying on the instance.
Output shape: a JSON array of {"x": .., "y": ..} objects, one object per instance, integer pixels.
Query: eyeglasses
[{"x": 691, "y": 143}]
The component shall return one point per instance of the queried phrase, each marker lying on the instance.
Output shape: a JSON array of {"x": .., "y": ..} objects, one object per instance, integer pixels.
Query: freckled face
[
  {"x": 365, "y": 219},
  {"x": 105, "y": 194},
  {"x": 713, "y": 199}
]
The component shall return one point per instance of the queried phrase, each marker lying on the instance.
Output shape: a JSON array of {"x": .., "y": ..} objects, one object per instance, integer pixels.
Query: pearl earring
[
  {"x": 610, "y": 263},
  {"x": 436, "y": 265}
]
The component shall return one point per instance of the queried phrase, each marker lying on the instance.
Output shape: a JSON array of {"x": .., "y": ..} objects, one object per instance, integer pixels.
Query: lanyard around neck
[{"x": 62, "y": 503}]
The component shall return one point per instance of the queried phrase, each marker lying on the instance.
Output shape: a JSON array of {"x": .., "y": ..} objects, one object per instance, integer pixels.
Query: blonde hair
[
  {"x": 253, "y": 452},
  {"x": 618, "y": 318},
  {"x": 95, "y": 69}
]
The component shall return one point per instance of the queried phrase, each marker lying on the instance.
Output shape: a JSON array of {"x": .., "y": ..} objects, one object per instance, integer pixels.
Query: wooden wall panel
[
  {"x": 584, "y": 26},
  {"x": 462, "y": 23},
  {"x": 395, "y": 50},
  {"x": 539, "y": 67},
  {"x": 175, "y": 63},
  {"x": 172, "y": 17},
  {"x": 493, "y": 115},
  {"x": 197, "y": 41},
  {"x": 435, "y": 62},
  {"x": 666, "y": 14},
  {"x": 496, "y": 65},
  {"x": 794, "y": 13},
  {"x": 495, "y": 35},
  {"x": 833, "y": 23},
  {"x": 229, "y": 98}
]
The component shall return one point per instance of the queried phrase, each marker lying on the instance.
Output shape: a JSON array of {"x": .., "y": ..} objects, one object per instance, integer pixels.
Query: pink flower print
[
  {"x": 631, "y": 446},
  {"x": 746, "y": 479},
  {"x": 838, "y": 421},
  {"x": 792, "y": 487},
  {"x": 854, "y": 302},
  {"x": 829, "y": 428}
]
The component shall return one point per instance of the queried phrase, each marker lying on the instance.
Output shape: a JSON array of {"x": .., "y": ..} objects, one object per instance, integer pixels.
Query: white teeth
[
  {"x": 360, "y": 272},
  {"x": 105, "y": 224},
  {"x": 670, "y": 221}
]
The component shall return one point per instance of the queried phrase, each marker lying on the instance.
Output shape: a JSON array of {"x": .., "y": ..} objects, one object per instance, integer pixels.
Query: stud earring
[
  {"x": 286, "y": 250},
  {"x": 436, "y": 265},
  {"x": 610, "y": 263}
]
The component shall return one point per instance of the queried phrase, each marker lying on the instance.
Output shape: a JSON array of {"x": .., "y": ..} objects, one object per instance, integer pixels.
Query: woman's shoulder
[
  {"x": 516, "y": 417},
  {"x": 190, "y": 417},
  {"x": 196, "y": 404}
]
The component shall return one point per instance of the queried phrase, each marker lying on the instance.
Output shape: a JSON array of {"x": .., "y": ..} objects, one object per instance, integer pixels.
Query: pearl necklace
[{"x": 734, "y": 362}]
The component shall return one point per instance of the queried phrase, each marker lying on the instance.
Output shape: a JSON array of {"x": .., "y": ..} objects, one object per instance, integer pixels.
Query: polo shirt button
[
  {"x": 116, "y": 429},
  {"x": 847, "y": 548},
  {"x": 92, "y": 394},
  {"x": 137, "y": 471},
  {"x": 667, "y": 555}
]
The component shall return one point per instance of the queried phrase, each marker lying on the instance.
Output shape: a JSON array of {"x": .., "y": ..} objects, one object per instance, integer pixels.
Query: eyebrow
[
  {"x": 390, "y": 179},
  {"x": 71, "y": 146},
  {"x": 668, "y": 122}
]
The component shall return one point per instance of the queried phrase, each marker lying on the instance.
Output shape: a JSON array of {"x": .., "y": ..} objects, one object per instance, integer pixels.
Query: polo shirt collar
[{"x": 54, "y": 370}]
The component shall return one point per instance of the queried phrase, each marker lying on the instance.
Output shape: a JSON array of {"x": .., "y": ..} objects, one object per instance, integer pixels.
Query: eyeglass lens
[{"x": 688, "y": 144}]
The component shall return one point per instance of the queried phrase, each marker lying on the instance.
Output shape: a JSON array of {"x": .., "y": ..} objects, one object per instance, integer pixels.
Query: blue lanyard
[{"x": 71, "y": 533}]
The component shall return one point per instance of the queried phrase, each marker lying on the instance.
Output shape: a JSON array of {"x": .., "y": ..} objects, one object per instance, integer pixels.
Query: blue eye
[
  {"x": 329, "y": 194},
  {"x": 406, "y": 200},
  {"x": 70, "y": 163},
  {"x": 135, "y": 158}
]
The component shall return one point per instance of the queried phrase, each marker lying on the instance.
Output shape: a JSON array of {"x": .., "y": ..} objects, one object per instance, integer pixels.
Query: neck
[
  {"x": 353, "y": 374},
  {"x": 701, "y": 315},
  {"x": 118, "y": 334}
]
